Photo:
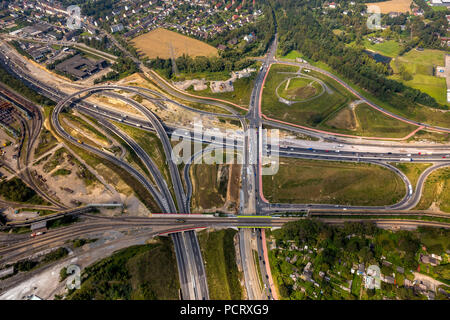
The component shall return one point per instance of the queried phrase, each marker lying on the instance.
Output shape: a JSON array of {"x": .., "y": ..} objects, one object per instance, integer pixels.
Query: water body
[{"x": 378, "y": 57}]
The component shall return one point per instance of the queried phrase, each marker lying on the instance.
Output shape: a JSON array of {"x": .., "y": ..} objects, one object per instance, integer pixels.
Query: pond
[{"x": 378, "y": 57}]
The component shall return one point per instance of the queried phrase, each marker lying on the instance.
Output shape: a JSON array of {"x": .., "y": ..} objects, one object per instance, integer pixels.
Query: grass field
[
  {"x": 436, "y": 191},
  {"x": 161, "y": 43},
  {"x": 412, "y": 170},
  {"x": 414, "y": 112},
  {"x": 312, "y": 181},
  {"x": 420, "y": 65},
  {"x": 390, "y": 48},
  {"x": 392, "y": 5},
  {"x": 220, "y": 263},
  {"x": 294, "y": 54},
  {"x": 147, "y": 272},
  {"x": 299, "y": 89},
  {"x": 368, "y": 122},
  {"x": 311, "y": 112},
  {"x": 152, "y": 146}
]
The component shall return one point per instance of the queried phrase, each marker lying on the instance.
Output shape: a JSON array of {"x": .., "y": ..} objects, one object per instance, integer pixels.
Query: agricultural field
[
  {"x": 311, "y": 112},
  {"x": 416, "y": 69},
  {"x": 392, "y": 6},
  {"x": 436, "y": 192},
  {"x": 219, "y": 254},
  {"x": 163, "y": 43},
  {"x": 363, "y": 120},
  {"x": 343, "y": 183},
  {"x": 147, "y": 272}
]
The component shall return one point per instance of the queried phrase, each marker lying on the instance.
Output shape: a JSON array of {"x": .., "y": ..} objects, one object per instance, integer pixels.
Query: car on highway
[{"x": 180, "y": 221}]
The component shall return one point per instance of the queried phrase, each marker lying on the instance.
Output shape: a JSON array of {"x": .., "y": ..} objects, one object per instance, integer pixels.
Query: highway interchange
[{"x": 330, "y": 147}]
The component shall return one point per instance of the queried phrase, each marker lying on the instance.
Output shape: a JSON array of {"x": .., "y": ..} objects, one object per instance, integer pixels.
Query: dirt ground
[
  {"x": 165, "y": 43},
  {"x": 345, "y": 119},
  {"x": 234, "y": 183}
]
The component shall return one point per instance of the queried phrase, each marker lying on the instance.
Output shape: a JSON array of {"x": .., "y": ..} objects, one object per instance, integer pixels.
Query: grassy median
[
  {"x": 436, "y": 192},
  {"x": 220, "y": 263}
]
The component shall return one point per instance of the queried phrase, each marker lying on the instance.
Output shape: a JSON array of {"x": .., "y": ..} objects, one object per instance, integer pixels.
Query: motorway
[{"x": 330, "y": 147}]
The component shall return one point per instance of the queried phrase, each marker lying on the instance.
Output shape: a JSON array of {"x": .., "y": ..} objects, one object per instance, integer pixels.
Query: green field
[
  {"x": 436, "y": 191},
  {"x": 220, "y": 263},
  {"x": 344, "y": 183},
  {"x": 151, "y": 145},
  {"x": 415, "y": 69},
  {"x": 367, "y": 121},
  {"x": 147, "y": 272},
  {"x": 414, "y": 112},
  {"x": 412, "y": 170},
  {"x": 375, "y": 123},
  {"x": 292, "y": 55},
  {"x": 299, "y": 89},
  {"x": 390, "y": 48},
  {"x": 312, "y": 112}
]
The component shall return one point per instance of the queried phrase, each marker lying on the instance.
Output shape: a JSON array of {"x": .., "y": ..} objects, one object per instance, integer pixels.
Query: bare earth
[
  {"x": 160, "y": 43},
  {"x": 392, "y": 6}
]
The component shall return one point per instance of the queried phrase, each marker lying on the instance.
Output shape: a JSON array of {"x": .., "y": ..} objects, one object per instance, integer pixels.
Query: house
[
  {"x": 250, "y": 37},
  {"x": 429, "y": 260},
  {"x": 388, "y": 279},
  {"x": 407, "y": 283},
  {"x": 117, "y": 28},
  {"x": 361, "y": 270},
  {"x": 233, "y": 41}
]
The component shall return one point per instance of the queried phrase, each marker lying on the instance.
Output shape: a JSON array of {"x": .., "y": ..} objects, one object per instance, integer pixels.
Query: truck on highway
[{"x": 405, "y": 159}]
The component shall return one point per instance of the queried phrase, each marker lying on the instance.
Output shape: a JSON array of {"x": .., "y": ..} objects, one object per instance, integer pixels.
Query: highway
[
  {"x": 330, "y": 147},
  {"x": 248, "y": 265},
  {"x": 56, "y": 95}
]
